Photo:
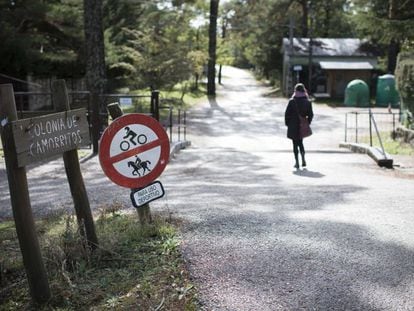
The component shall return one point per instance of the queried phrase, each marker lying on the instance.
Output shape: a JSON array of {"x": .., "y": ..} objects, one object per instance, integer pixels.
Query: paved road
[{"x": 259, "y": 235}]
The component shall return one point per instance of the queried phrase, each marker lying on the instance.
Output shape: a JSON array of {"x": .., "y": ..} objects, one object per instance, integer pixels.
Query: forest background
[{"x": 161, "y": 43}]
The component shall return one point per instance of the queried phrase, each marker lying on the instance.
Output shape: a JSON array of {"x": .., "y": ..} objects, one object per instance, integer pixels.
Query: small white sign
[
  {"x": 4, "y": 122},
  {"x": 297, "y": 67},
  {"x": 147, "y": 194},
  {"x": 125, "y": 101}
]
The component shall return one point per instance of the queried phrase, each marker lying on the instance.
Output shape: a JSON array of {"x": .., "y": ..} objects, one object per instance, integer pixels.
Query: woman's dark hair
[{"x": 300, "y": 87}]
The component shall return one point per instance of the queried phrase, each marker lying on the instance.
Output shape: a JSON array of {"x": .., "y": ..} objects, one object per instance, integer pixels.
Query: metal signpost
[
  {"x": 134, "y": 151},
  {"x": 297, "y": 69}
]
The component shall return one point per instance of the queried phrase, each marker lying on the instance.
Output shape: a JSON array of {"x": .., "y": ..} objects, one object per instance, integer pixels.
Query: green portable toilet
[
  {"x": 387, "y": 93},
  {"x": 357, "y": 94}
]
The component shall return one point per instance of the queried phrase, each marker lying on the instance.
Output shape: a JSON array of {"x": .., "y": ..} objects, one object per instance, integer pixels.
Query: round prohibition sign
[{"x": 134, "y": 150}]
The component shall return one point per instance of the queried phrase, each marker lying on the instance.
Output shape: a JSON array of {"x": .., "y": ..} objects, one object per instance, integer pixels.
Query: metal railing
[
  {"x": 358, "y": 124},
  {"x": 364, "y": 126},
  {"x": 174, "y": 122},
  {"x": 30, "y": 104}
]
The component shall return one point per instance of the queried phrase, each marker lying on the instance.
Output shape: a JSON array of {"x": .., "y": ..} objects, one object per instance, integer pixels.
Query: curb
[
  {"x": 383, "y": 160},
  {"x": 177, "y": 146}
]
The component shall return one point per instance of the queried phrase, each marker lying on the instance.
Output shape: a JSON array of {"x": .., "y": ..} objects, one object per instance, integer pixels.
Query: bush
[{"x": 404, "y": 75}]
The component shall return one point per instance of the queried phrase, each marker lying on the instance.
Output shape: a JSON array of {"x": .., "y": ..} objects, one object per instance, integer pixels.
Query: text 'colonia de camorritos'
[{"x": 55, "y": 134}]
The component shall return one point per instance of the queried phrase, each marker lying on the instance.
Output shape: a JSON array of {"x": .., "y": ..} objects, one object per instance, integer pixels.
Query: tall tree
[
  {"x": 212, "y": 46},
  {"x": 147, "y": 43},
  {"x": 388, "y": 22},
  {"x": 305, "y": 13},
  {"x": 40, "y": 38},
  {"x": 95, "y": 65}
]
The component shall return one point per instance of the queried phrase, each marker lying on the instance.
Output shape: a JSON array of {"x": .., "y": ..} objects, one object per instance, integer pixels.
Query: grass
[
  {"x": 134, "y": 268},
  {"x": 391, "y": 146},
  {"x": 82, "y": 153},
  {"x": 331, "y": 102},
  {"x": 181, "y": 96}
]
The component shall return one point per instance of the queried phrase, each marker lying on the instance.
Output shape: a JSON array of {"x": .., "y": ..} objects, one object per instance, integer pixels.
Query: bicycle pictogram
[{"x": 133, "y": 138}]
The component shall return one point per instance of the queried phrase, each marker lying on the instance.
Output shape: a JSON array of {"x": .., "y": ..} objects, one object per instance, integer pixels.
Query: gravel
[{"x": 258, "y": 235}]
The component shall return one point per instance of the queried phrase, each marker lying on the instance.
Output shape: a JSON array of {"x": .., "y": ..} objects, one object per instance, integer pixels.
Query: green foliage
[
  {"x": 258, "y": 28},
  {"x": 159, "y": 44},
  {"x": 404, "y": 75},
  {"x": 135, "y": 267},
  {"x": 148, "y": 43},
  {"x": 40, "y": 38},
  {"x": 391, "y": 146},
  {"x": 197, "y": 60},
  {"x": 376, "y": 24}
]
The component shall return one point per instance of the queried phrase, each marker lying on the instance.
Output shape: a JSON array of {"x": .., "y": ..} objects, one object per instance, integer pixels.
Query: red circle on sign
[{"x": 108, "y": 162}]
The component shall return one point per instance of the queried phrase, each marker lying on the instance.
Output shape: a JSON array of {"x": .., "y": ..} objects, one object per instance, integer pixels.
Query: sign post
[
  {"x": 297, "y": 69},
  {"x": 19, "y": 195},
  {"x": 72, "y": 167}
]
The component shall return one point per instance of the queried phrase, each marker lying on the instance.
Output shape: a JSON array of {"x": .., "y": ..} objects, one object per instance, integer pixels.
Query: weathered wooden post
[
  {"x": 20, "y": 200},
  {"x": 77, "y": 187},
  {"x": 155, "y": 104},
  {"x": 95, "y": 121},
  {"x": 144, "y": 212}
]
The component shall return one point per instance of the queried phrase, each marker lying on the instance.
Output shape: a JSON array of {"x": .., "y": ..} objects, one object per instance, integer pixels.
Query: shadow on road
[
  {"x": 272, "y": 245},
  {"x": 306, "y": 173}
]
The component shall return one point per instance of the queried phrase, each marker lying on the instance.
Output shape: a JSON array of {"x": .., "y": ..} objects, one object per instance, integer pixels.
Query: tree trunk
[
  {"x": 223, "y": 36},
  {"x": 95, "y": 66},
  {"x": 328, "y": 12},
  {"x": 394, "y": 45},
  {"x": 219, "y": 74},
  {"x": 212, "y": 46},
  {"x": 393, "y": 50},
  {"x": 197, "y": 77},
  {"x": 305, "y": 11}
]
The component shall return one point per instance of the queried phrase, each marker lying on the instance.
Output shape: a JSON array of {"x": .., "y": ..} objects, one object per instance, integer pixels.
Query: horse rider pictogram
[
  {"x": 138, "y": 165},
  {"x": 133, "y": 138}
]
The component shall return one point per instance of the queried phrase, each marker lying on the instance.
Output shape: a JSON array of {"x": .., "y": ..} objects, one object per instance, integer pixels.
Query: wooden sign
[{"x": 42, "y": 137}]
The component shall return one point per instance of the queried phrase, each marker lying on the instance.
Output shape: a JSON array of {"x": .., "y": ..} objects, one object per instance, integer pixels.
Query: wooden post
[
  {"x": 95, "y": 121},
  {"x": 155, "y": 105},
  {"x": 144, "y": 212},
  {"x": 77, "y": 187},
  {"x": 20, "y": 200}
]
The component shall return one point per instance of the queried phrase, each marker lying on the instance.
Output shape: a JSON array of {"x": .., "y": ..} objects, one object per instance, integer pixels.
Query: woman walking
[{"x": 299, "y": 104}]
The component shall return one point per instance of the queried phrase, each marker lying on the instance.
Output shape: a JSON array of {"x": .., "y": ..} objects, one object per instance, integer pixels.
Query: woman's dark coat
[{"x": 304, "y": 107}]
